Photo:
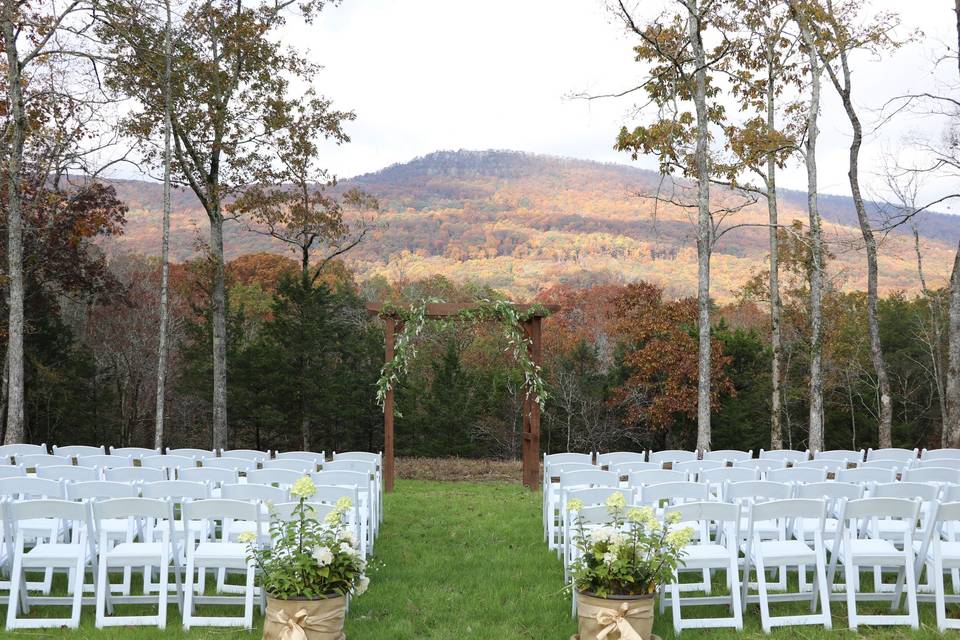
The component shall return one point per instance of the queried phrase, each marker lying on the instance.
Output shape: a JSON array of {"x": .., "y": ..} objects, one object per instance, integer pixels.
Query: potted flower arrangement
[
  {"x": 620, "y": 567},
  {"x": 308, "y": 572}
]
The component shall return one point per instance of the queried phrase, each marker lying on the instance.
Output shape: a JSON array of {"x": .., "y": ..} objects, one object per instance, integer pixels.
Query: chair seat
[
  {"x": 247, "y": 526},
  {"x": 949, "y": 551},
  {"x": 785, "y": 551},
  {"x": 46, "y": 551},
  {"x": 220, "y": 551},
  {"x": 870, "y": 551},
  {"x": 130, "y": 552},
  {"x": 698, "y": 556}
]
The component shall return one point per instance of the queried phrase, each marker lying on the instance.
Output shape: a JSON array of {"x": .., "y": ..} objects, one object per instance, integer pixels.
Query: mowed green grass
[{"x": 467, "y": 561}]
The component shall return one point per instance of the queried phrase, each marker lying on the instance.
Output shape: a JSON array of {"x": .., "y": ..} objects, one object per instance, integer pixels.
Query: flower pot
[
  {"x": 615, "y": 617},
  {"x": 314, "y": 619}
]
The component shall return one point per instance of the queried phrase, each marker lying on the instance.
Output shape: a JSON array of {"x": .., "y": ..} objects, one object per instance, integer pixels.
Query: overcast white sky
[{"x": 424, "y": 75}]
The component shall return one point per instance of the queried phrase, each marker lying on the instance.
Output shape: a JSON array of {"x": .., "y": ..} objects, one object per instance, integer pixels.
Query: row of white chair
[
  {"x": 733, "y": 455},
  {"x": 761, "y": 525},
  {"x": 123, "y": 533}
]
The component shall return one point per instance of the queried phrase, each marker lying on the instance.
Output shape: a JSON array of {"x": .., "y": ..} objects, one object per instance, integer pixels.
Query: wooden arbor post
[{"x": 531, "y": 410}]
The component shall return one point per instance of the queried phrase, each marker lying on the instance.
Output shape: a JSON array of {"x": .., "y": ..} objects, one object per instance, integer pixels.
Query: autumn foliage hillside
[{"x": 523, "y": 223}]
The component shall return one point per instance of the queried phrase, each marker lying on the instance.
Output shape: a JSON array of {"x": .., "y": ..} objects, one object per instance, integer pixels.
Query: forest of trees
[{"x": 267, "y": 351}]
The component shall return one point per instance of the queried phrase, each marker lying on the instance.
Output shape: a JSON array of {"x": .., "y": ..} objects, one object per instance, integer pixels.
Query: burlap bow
[
  {"x": 296, "y": 627},
  {"x": 617, "y": 619}
]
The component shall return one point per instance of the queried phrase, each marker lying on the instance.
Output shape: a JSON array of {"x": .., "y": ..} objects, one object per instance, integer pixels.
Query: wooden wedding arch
[{"x": 532, "y": 328}]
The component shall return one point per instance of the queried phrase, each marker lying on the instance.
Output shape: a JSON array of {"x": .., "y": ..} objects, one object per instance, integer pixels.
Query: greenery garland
[{"x": 414, "y": 320}]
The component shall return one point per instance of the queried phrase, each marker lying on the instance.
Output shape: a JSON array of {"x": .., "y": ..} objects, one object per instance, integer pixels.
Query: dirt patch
[{"x": 465, "y": 469}]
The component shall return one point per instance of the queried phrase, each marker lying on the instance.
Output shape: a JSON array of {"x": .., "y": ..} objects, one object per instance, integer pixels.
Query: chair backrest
[
  {"x": 941, "y": 475},
  {"x": 797, "y": 475},
  {"x": 104, "y": 461},
  {"x": 869, "y": 474},
  {"x": 941, "y": 463},
  {"x": 756, "y": 491},
  {"x": 618, "y": 457},
  {"x": 168, "y": 462},
  {"x": 552, "y": 458},
  {"x": 655, "y": 476},
  {"x": 135, "y": 474},
  {"x": 78, "y": 450},
  {"x": 830, "y": 490},
  {"x": 597, "y": 495},
  {"x": 132, "y": 508},
  {"x": 257, "y": 492},
  {"x": 35, "y": 460},
  {"x": 207, "y": 474},
  {"x": 626, "y": 468},
  {"x": 176, "y": 490},
  {"x": 721, "y": 512},
  {"x": 100, "y": 490},
  {"x": 310, "y": 456},
  {"x": 27, "y": 487},
  {"x": 559, "y": 468},
  {"x": 343, "y": 478},
  {"x": 728, "y": 474},
  {"x": 848, "y": 455},
  {"x": 948, "y": 512},
  {"x": 134, "y": 452},
  {"x": 728, "y": 455},
  {"x": 12, "y": 471},
  {"x": 672, "y": 455},
  {"x": 196, "y": 454},
  {"x": 283, "y": 511},
  {"x": 282, "y": 477},
  {"x": 940, "y": 454},
  {"x": 329, "y": 494},
  {"x": 589, "y": 478},
  {"x": 694, "y": 467},
  {"x": 597, "y": 514},
  {"x": 828, "y": 465},
  {"x": 762, "y": 465},
  {"x": 290, "y": 464},
  {"x": 14, "y": 450},
  {"x": 787, "y": 455},
  {"x": 907, "y": 490},
  {"x": 787, "y": 509},
  {"x": 899, "y": 508},
  {"x": 366, "y": 456},
  {"x": 68, "y": 473},
  {"x": 674, "y": 492},
  {"x": 892, "y": 453},
  {"x": 237, "y": 464},
  {"x": 246, "y": 454},
  {"x": 895, "y": 465},
  {"x": 361, "y": 466},
  {"x": 44, "y": 509}
]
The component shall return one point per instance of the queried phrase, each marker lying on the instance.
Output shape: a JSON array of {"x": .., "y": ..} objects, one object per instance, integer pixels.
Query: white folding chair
[
  {"x": 693, "y": 468},
  {"x": 832, "y": 467},
  {"x": 132, "y": 475},
  {"x": 366, "y": 464},
  {"x": 73, "y": 451},
  {"x": 367, "y": 456},
  {"x": 290, "y": 464},
  {"x": 364, "y": 485},
  {"x": 245, "y": 454},
  {"x": 234, "y": 464},
  {"x": 169, "y": 463},
  {"x": 69, "y": 473},
  {"x": 9, "y": 451},
  {"x": 116, "y": 530},
  {"x": 940, "y": 552},
  {"x": 194, "y": 454},
  {"x": 846, "y": 455},
  {"x": 671, "y": 456},
  {"x": 833, "y": 494},
  {"x": 48, "y": 555},
  {"x": 745, "y": 494},
  {"x": 552, "y": 458},
  {"x": 626, "y": 468},
  {"x": 218, "y": 553},
  {"x": 177, "y": 493},
  {"x": 895, "y": 465},
  {"x": 552, "y": 471},
  {"x": 708, "y": 554},
  {"x": 854, "y": 549},
  {"x": 104, "y": 461},
  {"x": 940, "y": 463},
  {"x": 762, "y": 465},
  {"x": 787, "y": 455},
  {"x": 281, "y": 477},
  {"x": 932, "y": 475},
  {"x": 866, "y": 475},
  {"x": 12, "y": 471},
  {"x": 728, "y": 455},
  {"x": 892, "y": 529},
  {"x": 659, "y": 496},
  {"x": 589, "y": 498},
  {"x": 905, "y": 456},
  {"x": 638, "y": 479},
  {"x": 213, "y": 477},
  {"x": 31, "y": 488},
  {"x": 583, "y": 479},
  {"x": 619, "y": 457},
  {"x": 715, "y": 479},
  {"x": 142, "y": 514},
  {"x": 316, "y": 458},
  {"x": 940, "y": 454},
  {"x": 797, "y": 475},
  {"x": 134, "y": 452},
  {"x": 761, "y": 553},
  {"x": 331, "y": 494},
  {"x": 34, "y": 461}
]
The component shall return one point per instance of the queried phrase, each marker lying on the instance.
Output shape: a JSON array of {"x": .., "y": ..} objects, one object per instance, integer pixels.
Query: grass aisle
[{"x": 462, "y": 561}]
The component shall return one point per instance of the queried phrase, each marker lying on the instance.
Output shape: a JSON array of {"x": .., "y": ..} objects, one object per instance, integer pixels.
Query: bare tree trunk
[
  {"x": 704, "y": 226},
  {"x": 165, "y": 242},
  {"x": 815, "y": 438},
  {"x": 15, "y": 432},
  {"x": 933, "y": 338},
  {"x": 952, "y": 390},
  {"x": 776, "y": 428},
  {"x": 221, "y": 430}
]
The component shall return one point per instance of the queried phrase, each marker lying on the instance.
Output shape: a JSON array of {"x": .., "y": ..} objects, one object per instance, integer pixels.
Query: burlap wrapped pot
[
  {"x": 616, "y": 618},
  {"x": 320, "y": 619}
]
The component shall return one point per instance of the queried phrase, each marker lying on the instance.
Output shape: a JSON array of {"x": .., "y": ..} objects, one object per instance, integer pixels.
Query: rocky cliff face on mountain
[{"x": 521, "y": 222}]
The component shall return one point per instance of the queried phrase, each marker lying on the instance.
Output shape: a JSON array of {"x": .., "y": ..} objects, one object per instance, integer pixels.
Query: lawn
[{"x": 466, "y": 561}]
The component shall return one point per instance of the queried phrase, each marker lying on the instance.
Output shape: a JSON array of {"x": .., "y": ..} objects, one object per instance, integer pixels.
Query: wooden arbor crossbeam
[{"x": 531, "y": 410}]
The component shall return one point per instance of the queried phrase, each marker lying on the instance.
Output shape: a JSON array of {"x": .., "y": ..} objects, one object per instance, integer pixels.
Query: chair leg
[
  {"x": 911, "y": 593},
  {"x": 16, "y": 580},
  {"x": 823, "y": 589},
  {"x": 164, "y": 584},
  {"x": 248, "y": 598},
  {"x": 734, "y": 574},
  {"x": 762, "y": 591},
  {"x": 103, "y": 585},
  {"x": 188, "y": 592},
  {"x": 675, "y": 602},
  {"x": 850, "y": 573},
  {"x": 80, "y": 574}
]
